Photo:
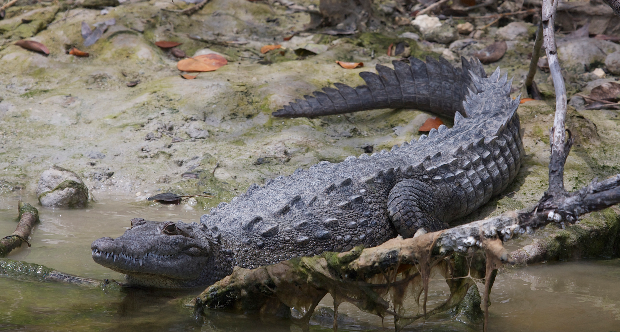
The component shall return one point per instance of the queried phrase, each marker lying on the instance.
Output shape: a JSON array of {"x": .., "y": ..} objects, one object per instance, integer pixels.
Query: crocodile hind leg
[{"x": 414, "y": 205}]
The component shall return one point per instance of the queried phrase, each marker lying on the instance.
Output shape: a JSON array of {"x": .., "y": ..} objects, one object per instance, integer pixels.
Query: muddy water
[{"x": 575, "y": 296}]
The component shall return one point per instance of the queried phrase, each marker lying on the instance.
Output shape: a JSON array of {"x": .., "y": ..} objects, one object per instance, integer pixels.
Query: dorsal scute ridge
[{"x": 495, "y": 76}]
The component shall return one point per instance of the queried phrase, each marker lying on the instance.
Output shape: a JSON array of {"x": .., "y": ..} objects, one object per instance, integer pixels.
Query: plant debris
[
  {"x": 268, "y": 48},
  {"x": 350, "y": 65},
  {"x": 78, "y": 53},
  {"x": 33, "y": 46},
  {"x": 167, "y": 44},
  {"x": 207, "y": 62},
  {"x": 431, "y": 123}
]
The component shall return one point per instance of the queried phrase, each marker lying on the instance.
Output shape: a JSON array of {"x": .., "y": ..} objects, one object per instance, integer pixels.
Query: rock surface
[
  {"x": 516, "y": 30},
  {"x": 59, "y": 187},
  {"x": 612, "y": 62}
]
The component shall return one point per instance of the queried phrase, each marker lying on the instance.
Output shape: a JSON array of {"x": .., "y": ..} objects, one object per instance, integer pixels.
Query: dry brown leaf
[
  {"x": 525, "y": 100},
  {"x": 492, "y": 52},
  {"x": 33, "y": 46},
  {"x": 207, "y": 62},
  {"x": 76, "y": 52},
  {"x": 431, "y": 123},
  {"x": 268, "y": 48},
  {"x": 167, "y": 44},
  {"x": 350, "y": 65},
  {"x": 188, "y": 76},
  {"x": 389, "y": 51}
]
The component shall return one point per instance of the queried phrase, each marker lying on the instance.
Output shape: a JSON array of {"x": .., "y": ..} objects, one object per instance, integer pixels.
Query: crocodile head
[{"x": 163, "y": 254}]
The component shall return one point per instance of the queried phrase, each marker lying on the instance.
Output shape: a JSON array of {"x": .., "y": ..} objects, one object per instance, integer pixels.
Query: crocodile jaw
[{"x": 148, "y": 252}]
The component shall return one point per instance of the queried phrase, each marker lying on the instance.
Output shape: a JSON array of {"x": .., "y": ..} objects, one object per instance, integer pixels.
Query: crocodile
[{"x": 419, "y": 186}]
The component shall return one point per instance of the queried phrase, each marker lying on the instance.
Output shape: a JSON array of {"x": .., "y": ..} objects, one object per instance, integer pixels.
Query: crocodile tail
[{"x": 433, "y": 86}]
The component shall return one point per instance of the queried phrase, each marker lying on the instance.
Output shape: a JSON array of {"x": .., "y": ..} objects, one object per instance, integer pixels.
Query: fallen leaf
[
  {"x": 492, "y": 52},
  {"x": 207, "y": 62},
  {"x": 167, "y": 44},
  {"x": 609, "y": 91},
  {"x": 268, "y": 48},
  {"x": 431, "y": 123},
  {"x": 33, "y": 46},
  {"x": 287, "y": 38},
  {"x": 350, "y": 65},
  {"x": 389, "y": 51},
  {"x": 94, "y": 36},
  {"x": 79, "y": 53},
  {"x": 86, "y": 30},
  {"x": 178, "y": 53},
  {"x": 133, "y": 83},
  {"x": 525, "y": 100},
  {"x": 188, "y": 76}
]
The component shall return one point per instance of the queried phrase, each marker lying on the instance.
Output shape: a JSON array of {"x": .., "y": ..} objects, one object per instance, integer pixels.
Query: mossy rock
[{"x": 59, "y": 187}]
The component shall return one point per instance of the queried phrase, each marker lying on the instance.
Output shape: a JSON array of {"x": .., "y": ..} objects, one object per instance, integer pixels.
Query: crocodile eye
[
  {"x": 170, "y": 229},
  {"x": 137, "y": 222}
]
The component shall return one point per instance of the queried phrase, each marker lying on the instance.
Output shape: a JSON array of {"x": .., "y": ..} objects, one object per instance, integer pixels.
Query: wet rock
[
  {"x": 433, "y": 30},
  {"x": 443, "y": 35},
  {"x": 577, "y": 102},
  {"x": 465, "y": 28},
  {"x": 426, "y": 23},
  {"x": 492, "y": 53},
  {"x": 37, "y": 20},
  {"x": 197, "y": 130},
  {"x": 410, "y": 35},
  {"x": 59, "y": 187},
  {"x": 581, "y": 53},
  {"x": 516, "y": 30},
  {"x": 612, "y": 62}
]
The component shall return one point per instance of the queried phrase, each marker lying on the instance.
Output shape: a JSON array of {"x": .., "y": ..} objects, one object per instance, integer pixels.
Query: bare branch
[{"x": 559, "y": 145}]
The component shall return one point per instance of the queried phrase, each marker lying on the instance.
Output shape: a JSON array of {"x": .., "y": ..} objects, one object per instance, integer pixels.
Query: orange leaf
[
  {"x": 525, "y": 100},
  {"x": 79, "y": 53},
  {"x": 431, "y": 123},
  {"x": 268, "y": 48},
  {"x": 350, "y": 65},
  {"x": 33, "y": 46},
  {"x": 167, "y": 44},
  {"x": 188, "y": 76},
  {"x": 207, "y": 62}
]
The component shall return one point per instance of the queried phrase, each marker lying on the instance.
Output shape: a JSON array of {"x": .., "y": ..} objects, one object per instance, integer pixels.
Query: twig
[
  {"x": 506, "y": 14},
  {"x": 431, "y": 7},
  {"x": 189, "y": 11},
  {"x": 28, "y": 216},
  {"x": 8, "y": 4},
  {"x": 530, "y": 86},
  {"x": 560, "y": 147},
  {"x": 493, "y": 22}
]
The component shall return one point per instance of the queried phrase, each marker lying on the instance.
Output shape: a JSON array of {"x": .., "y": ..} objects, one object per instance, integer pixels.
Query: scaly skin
[{"x": 361, "y": 201}]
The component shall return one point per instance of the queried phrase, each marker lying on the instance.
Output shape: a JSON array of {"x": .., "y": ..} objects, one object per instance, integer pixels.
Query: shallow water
[{"x": 574, "y": 296}]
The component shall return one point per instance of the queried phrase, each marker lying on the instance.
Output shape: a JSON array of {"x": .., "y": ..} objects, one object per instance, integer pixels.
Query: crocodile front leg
[{"x": 413, "y": 204}]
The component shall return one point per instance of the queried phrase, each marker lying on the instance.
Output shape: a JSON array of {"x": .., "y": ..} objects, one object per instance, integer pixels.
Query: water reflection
[{"x": 573, "y": 296}]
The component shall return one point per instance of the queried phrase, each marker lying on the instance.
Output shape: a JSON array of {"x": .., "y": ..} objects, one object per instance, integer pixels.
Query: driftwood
[
  {"x": 28, "y": 216},
  {"x": 377, "y": 279}
]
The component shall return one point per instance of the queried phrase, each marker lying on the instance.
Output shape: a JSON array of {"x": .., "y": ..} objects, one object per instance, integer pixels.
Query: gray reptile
[{"x": 365, "y": 201}]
